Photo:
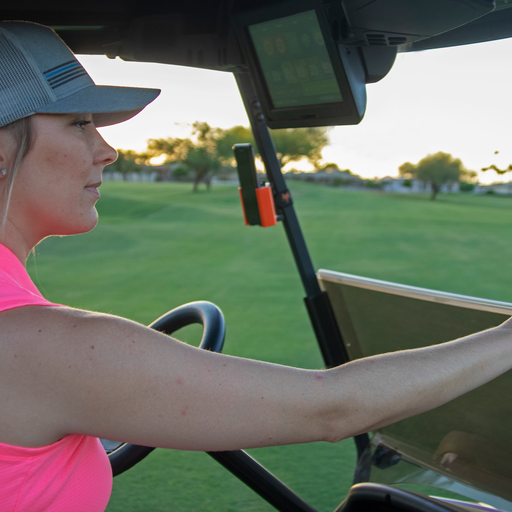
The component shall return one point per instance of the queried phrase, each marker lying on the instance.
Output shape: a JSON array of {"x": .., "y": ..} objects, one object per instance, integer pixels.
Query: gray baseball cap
[{"x": 40, "y": 75}]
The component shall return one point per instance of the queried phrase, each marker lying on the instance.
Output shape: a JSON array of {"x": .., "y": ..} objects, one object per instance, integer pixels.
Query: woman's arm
[{"x": 70, "y": 371}]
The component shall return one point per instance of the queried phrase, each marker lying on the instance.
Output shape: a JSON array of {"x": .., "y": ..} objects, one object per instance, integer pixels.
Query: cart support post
[
  {"x": 317, "y": 302},
  {"x": 264, "y": 483}
]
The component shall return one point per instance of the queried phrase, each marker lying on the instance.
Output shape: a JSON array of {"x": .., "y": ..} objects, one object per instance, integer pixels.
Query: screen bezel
[{"x": 345, "y": 112}]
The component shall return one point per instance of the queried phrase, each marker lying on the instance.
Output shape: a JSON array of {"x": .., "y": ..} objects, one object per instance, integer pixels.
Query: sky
[{"x": 456, "y": 100}]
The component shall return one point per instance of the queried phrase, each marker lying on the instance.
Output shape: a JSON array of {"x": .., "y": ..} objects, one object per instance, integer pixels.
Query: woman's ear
[{"x": 6, "y": 146}]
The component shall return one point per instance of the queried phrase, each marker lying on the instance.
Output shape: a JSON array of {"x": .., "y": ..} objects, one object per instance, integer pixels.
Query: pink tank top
[{"x": 72, "y": 474}]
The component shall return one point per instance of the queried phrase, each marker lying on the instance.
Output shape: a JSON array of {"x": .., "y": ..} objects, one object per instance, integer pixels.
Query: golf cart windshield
[{"x": 463, "y": 446}]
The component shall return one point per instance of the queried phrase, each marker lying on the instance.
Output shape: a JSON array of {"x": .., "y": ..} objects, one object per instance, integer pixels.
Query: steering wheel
[{"x": 123, "y": 456}]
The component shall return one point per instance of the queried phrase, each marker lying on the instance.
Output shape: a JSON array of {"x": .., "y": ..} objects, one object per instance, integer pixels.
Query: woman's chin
[
  {"x": 86, "y": 228},
  {"x": 78, "y": 228}
]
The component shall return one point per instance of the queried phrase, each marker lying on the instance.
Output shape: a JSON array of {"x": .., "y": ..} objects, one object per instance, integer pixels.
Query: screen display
[{"x": 295, "y": 62}]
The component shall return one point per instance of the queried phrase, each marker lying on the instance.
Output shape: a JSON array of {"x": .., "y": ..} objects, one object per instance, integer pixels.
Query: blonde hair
[{"x": 21, "y": 134}]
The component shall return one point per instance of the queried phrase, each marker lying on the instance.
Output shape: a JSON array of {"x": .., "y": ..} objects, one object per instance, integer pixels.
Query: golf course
[{"x": 159, "y": 245}]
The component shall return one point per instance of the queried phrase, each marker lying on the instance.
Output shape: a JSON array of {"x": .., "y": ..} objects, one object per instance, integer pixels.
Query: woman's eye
[{"x": 82, "y": 123}]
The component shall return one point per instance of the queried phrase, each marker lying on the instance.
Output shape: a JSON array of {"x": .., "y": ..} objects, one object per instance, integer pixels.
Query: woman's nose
[{"x": 105, "y": 153}]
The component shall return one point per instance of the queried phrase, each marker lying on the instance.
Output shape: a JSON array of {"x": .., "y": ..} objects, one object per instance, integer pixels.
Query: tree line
[{"x": 208, "y": 151}]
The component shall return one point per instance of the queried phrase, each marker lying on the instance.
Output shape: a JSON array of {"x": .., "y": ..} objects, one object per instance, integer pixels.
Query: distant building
[
  {"x": 332, "y": 178},
  {"x": 143, "y": 176},
  {"x": 495, "y": 188},
  {"x": 407, "y": 186}
]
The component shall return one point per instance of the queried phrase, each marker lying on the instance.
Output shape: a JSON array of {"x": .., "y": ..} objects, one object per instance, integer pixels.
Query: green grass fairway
[{"x": 159, "y": 245}]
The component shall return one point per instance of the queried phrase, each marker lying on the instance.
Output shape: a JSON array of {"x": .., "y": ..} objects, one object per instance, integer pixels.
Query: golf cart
[{"x": 337, "y": 47}]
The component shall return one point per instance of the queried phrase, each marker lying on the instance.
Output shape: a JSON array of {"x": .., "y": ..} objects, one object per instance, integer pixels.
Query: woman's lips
[{"x": 93, "y": 189}]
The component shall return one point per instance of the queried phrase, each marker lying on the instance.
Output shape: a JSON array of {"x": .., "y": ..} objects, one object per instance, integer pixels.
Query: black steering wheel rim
[{"x": 123, "y": 456}]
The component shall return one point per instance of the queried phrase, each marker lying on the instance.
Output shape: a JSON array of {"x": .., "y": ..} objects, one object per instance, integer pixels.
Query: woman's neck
[{"x": 11, "y": 238}]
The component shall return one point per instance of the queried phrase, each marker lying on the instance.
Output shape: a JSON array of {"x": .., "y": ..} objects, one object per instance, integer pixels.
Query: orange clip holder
[{"x": 265, "y": 206}]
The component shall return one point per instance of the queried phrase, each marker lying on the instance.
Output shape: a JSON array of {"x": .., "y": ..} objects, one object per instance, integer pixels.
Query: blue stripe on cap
[
  {"x": 64, "y": 73},
  {"x": 65, "y": 79},
  {"x": 65, "y": 65},
  {"x": 56, "y": 78}
]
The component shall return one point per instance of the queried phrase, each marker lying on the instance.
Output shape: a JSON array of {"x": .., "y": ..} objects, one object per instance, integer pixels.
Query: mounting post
[{"x": 317, "y": 301}]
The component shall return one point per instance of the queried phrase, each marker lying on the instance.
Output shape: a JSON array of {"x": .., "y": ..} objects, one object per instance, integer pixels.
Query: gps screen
[{"x": 295, "y": 62}]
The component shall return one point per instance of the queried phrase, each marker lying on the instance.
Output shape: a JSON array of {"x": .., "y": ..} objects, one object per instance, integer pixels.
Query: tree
[
  {"x": 291, "y": 144},
  {"x": 226, "y": 139},
  {"x": 332, "y": 167},
  {"x": 437, "y": 169},
  {"x": 200, "y": 155},
  {"x": 210, "y": 149},
  {"x": 501, "y": 172},
  {"x": 128, "y": 161},
  {"x": 407, "y": 170}
]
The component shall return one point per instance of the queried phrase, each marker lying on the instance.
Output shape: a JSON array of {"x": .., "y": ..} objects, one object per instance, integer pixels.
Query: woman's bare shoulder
[
  {"x": 48, "y": 334},
  {"x": 51, "y": 357}
]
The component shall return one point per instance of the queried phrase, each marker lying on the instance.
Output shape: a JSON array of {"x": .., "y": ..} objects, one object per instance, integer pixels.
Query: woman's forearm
[{"x": 390, "y": 387}]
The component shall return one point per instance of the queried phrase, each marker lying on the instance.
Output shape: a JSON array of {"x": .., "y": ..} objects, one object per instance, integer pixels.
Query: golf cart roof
[{"x": 152, "y": 30}]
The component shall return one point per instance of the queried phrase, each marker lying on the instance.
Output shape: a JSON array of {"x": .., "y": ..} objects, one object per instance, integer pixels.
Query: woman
[{"x": 58, "y": 362}]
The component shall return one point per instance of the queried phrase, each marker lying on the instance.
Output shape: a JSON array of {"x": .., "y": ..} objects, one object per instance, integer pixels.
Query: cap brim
[{"x": 108, "y": 104}]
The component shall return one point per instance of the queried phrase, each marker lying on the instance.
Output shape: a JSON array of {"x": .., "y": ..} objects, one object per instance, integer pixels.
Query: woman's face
[{"x": 56, "y": 188}]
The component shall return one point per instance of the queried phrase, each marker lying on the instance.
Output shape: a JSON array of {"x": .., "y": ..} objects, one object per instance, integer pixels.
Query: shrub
[
  {"x": 340, "y": 182},
  {"x": 464, "y": 186}
]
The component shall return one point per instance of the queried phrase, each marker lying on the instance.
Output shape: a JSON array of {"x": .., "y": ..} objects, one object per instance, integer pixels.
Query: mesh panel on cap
[{"x": 22, "y": 86}]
